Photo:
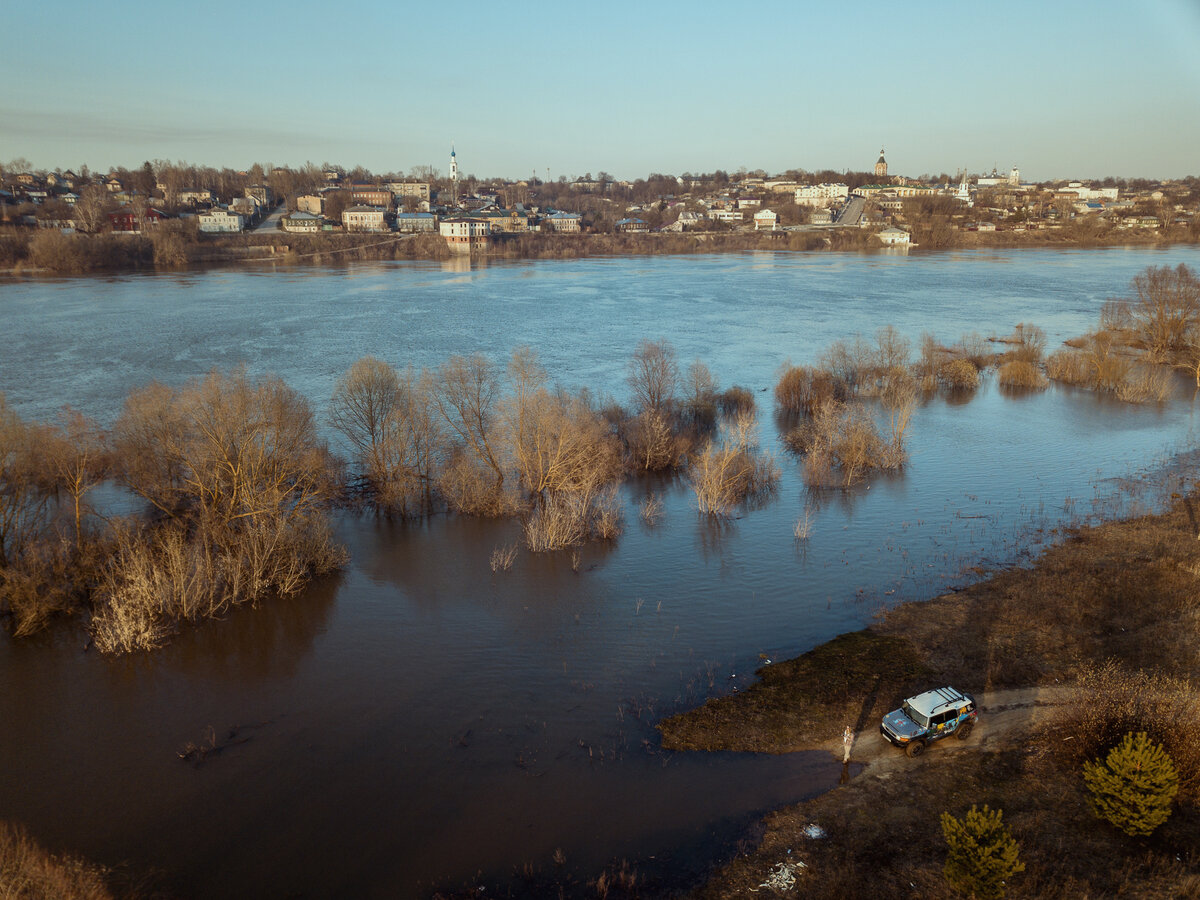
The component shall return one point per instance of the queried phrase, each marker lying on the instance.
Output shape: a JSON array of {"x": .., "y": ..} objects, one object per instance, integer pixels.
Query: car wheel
[
  {"x": 915, "y": 748},
  {"x": 964, "y": 730}
]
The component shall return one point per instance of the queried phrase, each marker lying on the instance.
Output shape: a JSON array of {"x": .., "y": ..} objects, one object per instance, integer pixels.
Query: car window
[{"x": 921, "y": 720}]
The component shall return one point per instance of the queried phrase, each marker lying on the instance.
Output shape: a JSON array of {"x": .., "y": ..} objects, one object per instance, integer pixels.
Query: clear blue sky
[{"x": 1059, "y": 88}]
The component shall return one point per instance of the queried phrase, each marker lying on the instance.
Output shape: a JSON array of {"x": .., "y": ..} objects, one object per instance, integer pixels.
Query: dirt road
[{"x": 1002, "y": 716}]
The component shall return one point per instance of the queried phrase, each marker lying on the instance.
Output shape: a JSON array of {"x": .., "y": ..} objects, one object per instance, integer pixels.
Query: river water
[{"x": 419, "y": 722}]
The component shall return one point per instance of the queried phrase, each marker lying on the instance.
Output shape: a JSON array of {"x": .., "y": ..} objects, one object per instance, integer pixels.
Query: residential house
[
  {"x": 313, "y": 204},
  {"x": 300, "y": 222},
  {"x": 127, "y": 221},
  {"x": 416, "y": 222},
  {"x": 894, "y": 236},
  {"x": 632, "y": 226},
  {"x": 402, "y": 189},
  {"x": 749, "y": 202},
  {"x": 114, "y": 185},
  {"x": 261, "y": 194},
  {"x": 196, "y": 196},
  {"x": 766, "y": 220},
  {"x": 821, "y": 216},
  {"x": 220, "y": 221},
  {"x": 732, "y": 216},
  {"x": 820, "y": 194},
  {"x": 563, "y": 222},
  {"x": 465, "y": 235},
  {"x": 508, "y": 221},
  {"x": 371, "y": 195},
  {"x": 363, "y": 218}
]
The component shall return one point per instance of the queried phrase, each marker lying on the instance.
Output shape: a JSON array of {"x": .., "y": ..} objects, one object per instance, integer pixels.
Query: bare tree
[
  {"x": 91, "y": 207},
  {"x": 467, "y": 394},
  {"x": 77, "y": 453},
  {"x": 653, "y": 375},
  {"x": 1165, "y": 306}
]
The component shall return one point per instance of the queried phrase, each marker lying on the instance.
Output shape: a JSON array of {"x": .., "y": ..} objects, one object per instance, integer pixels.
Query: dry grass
[
  {"x": 1146, "y": 384},
  {"x": 958, "y": 375},
  {"x": 1021, "y": 375},
  {"x": 803, "y": 528},
  {"x": 503, "y": 558},
  {"x": 28, "y": 872}
]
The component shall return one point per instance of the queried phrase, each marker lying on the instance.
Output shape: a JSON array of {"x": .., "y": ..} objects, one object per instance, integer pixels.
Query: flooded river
[{"x": 419, "y": 722}]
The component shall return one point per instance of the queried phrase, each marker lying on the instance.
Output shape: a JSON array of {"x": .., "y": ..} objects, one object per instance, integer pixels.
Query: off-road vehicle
[{"x": 929, "y": 717}]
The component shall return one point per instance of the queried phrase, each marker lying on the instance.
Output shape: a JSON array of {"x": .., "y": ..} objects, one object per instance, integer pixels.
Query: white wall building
[
  {"x": 217, "y": 221},
  {"x": 821, "y": 194}
]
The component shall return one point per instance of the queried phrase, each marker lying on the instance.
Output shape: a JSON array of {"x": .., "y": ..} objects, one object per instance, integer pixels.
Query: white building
[
  {"x": 766, "y": 220},
  {"x": 464, "y": 235},
  {"x": 893, "y": 235},
  {"x": 301, "y": 222},
  {"x": 217, "y": 221},
  {"x": 363, "y": 218},
  {"x": 821, "y": 194}
]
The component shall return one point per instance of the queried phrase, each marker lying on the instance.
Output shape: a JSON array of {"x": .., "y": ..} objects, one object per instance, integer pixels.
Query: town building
[
  {"x": 218, "y": 221},
  {"x": 416, "y": 222},
  {"x": 894, "y": 236},
  {"x": 402, "y": 189},
  {"x": 363, "y": 218},
  {"x": 766, "y": 220},
  {"x": 371, "y": 195},
  {"x": 820, "y": 194},
  {"x": 127, "y": 221},
  {"x": 563, "y": 222},
  {"x": 632, "y": 226},
  {"x": 300, "y": 222},
  {"x": 465, "y": 235},
  {"x": 313, "y": 204}
]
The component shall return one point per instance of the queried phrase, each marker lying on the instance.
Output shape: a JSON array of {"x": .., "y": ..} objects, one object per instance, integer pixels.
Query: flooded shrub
[
  {"x": 851, "y": 362},
  {"x": 1029, "y": 344},
  {"x": 841, "y": 443},
  {"x": 1021, "y": 375},
  {"x": 1068, "y": 366},
  {"x": 736, "y": 400},
  {"x": 503, "y": 558},
  {"x": 1116, "y": 315},
  {"x": 653, "y": 444},
  {"x": 801, "y": 391},
  {"x": 653, "y": 375},
  {"x": 569, "y": 519},
  {"x": 389, "y": 419},
  {"x": 470, "y": 488},
  {"x": 975, "y": 349},
  {"x": 700, "y": 398},
  {"x": 28, "y": 872},
  {"x": 1145, "y": 384},
  {"x": 733, "y": 470},
  {"x": 958, "y": 375},
  {"x": 652, "y": 509},
  {"x": 466, "y": 393},
  {"x": 1165, "y": 306}
]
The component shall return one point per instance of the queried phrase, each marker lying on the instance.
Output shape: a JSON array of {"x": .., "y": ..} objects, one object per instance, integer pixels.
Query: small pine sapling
[
  {"x": 983, "y": 853},
  {"x": 1135, "y": 785}
]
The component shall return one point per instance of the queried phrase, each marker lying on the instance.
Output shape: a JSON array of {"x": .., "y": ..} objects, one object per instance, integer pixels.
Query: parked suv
[{"x": 929, "y": 717}]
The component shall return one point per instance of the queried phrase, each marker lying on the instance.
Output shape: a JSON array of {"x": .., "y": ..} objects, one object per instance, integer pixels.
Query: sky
[{"x": 1059, "y": 88}]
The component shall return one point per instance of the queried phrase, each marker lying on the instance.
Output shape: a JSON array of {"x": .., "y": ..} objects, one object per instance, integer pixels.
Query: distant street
[
  {"x": 851, "y": 213},
  {"x": 271, "y": 222}
]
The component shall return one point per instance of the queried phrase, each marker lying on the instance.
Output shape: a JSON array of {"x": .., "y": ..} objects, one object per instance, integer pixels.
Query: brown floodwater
[{"x": 418, "y": 722}]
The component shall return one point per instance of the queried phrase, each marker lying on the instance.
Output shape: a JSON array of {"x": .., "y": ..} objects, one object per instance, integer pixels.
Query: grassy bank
[{"x": 1110, "y": 613}]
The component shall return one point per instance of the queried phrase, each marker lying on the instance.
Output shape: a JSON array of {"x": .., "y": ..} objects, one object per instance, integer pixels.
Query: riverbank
[
  {"x": 1049, "y": 650},
  {"x": 24, "y": 252}
]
